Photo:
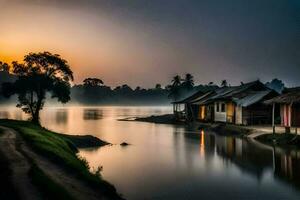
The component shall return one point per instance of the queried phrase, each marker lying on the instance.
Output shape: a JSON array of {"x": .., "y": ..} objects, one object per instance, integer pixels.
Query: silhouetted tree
[
  {"x": 174, "y": 89},
  {"x": 138, "y": 88},
  {"x": 276, "y": 85},
  {"x": 158, "y": 86},
  {"x": 188, "y": 82},
  {"x": 38, "y": 74},
  {"x": 224, "y": 83},
  {"x": 93, "y": 82},
  {"x": 4, "y": 67}
]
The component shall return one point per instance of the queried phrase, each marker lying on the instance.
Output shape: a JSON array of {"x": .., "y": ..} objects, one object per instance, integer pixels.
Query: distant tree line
[
  {"x": 93, "y": 91},
  {"x": 43, "y": 75}
]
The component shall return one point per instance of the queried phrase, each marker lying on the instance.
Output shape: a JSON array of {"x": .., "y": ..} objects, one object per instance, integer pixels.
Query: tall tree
[
  {"x": 174, "y": 88},
  {"x": 188, "y": 82},
  {"x": 158, "y": 86},
  {"x": 4, "y": 67},
  {"x": 38, "y": 74},
  {"x": 93, "y": 82},
  {"x": 276, "y": 85}
]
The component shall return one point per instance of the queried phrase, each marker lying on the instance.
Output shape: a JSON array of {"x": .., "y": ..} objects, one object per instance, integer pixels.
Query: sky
[{"x": 144, "y": 42}]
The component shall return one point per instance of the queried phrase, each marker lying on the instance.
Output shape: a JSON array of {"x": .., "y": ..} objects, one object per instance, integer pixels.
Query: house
[
  {"x": 235, "y": 104},
  {"x": 289, "y": 103},
  {"x": 182, "y": 109}
]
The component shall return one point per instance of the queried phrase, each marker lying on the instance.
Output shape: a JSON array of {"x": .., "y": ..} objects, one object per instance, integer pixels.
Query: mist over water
[{"x": 174, "y": 162}]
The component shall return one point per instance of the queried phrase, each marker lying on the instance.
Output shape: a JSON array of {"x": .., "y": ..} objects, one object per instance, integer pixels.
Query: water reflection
[
  {"x": 4, "y": 114},
  {"x": 287, "y": 165},
  {"x": 174, "y": 162},
  {"x": 61, "y": 116},
  {"x": 92, "y": 114},
  {"x": 255, "y": 158}
]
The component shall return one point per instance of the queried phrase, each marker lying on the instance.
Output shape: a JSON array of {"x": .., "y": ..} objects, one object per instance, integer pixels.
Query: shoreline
[{"x": 259, "y": 133}]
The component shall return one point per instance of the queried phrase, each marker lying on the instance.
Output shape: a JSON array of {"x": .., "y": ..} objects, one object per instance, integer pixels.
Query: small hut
[
  {"x": 289, "y": 103},
  {"x": 183, "y": 110}
]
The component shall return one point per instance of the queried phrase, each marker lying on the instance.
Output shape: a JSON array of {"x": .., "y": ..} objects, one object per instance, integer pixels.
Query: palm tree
[
  {"x": 174, "y": 89},
  {"x": 176, "y": 81},
  {"x": 188, "y": 82}
]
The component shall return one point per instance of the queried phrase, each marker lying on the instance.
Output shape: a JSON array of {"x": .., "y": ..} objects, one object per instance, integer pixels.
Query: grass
[
  {"x": 62, "y": 151},
  {"x": 290, "y": 140}
]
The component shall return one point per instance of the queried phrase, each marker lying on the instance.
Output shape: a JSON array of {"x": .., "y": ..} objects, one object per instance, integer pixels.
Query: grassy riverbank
[{"x": 61, "y": 150}]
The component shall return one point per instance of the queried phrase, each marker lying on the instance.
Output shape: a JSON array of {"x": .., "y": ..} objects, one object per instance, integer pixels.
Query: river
[{"x": 175, "y": 162}]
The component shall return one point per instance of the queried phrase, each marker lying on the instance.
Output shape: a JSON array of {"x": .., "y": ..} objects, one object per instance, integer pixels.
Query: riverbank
[
  {"x": 43, "y": 164},
  {"x": 158, "y": 119},
  {"x": 220, "y": 128},
  {"x": 260, "y": 133}
]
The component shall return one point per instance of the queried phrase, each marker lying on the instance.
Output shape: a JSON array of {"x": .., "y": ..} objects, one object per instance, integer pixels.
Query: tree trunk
[{"x": 36, "y": 115}]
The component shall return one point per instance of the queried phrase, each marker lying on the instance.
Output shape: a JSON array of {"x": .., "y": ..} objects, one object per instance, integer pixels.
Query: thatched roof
[{"x": 291, "y": 95}]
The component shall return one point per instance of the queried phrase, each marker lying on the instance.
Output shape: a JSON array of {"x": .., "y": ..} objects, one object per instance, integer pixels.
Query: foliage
[
  {"x": 174, "y": 88},
  {"x": 38, "y": 74},
  {"x": 123, "y": 94},
  {"x": 92, "y": 82},
  {"x": 4, "y": 67},
  {"x": 188, "y": 82},
  {"x": 276, "y": 85}
]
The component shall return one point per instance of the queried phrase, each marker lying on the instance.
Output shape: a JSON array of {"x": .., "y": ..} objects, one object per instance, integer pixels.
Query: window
[
  {"x": 218, "y": 107},
  {"x": 223, "y": 107}
]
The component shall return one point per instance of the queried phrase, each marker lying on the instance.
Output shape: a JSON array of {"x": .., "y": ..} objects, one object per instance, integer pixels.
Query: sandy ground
[{"x": 18, "y": 152}]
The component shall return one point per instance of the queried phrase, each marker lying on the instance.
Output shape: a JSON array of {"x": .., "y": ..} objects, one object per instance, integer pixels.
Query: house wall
[
  {"x": 285, "y": 115},
  {"x": 209, "y": 114},
  {"x": 296, "y": 115},
  {"x": 238, "y": 115},
  {"x": 230, "y": 112},
  {"x": 257, "y": 114},
  {"x": 290, "y": 115},
  {"x": 219, "y": 115}
]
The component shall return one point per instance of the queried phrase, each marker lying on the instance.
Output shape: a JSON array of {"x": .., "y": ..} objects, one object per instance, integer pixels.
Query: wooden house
[
  {"x": 237, "y": 104},
  {"x": 289, "y": 103}
]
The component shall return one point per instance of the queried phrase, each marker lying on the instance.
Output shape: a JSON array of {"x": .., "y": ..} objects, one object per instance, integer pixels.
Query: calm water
[{"x": 169, "y": 162}]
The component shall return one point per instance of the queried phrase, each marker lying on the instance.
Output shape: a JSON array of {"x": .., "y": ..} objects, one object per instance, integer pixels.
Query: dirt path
[
  {"x": 19, "y": 165},
  {"x": 14, "y": 148},
  {"x": 73, "y": 185}
]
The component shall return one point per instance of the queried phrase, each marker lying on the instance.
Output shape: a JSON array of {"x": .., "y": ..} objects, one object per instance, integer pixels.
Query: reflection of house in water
[
  {"x": 207, "y": 143},
  {"x": 61, "y": 116},
  {"x": 92, "y": 114},
  {"x": 287, "y": 166},
  {"x": 247, "y": 156}
]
